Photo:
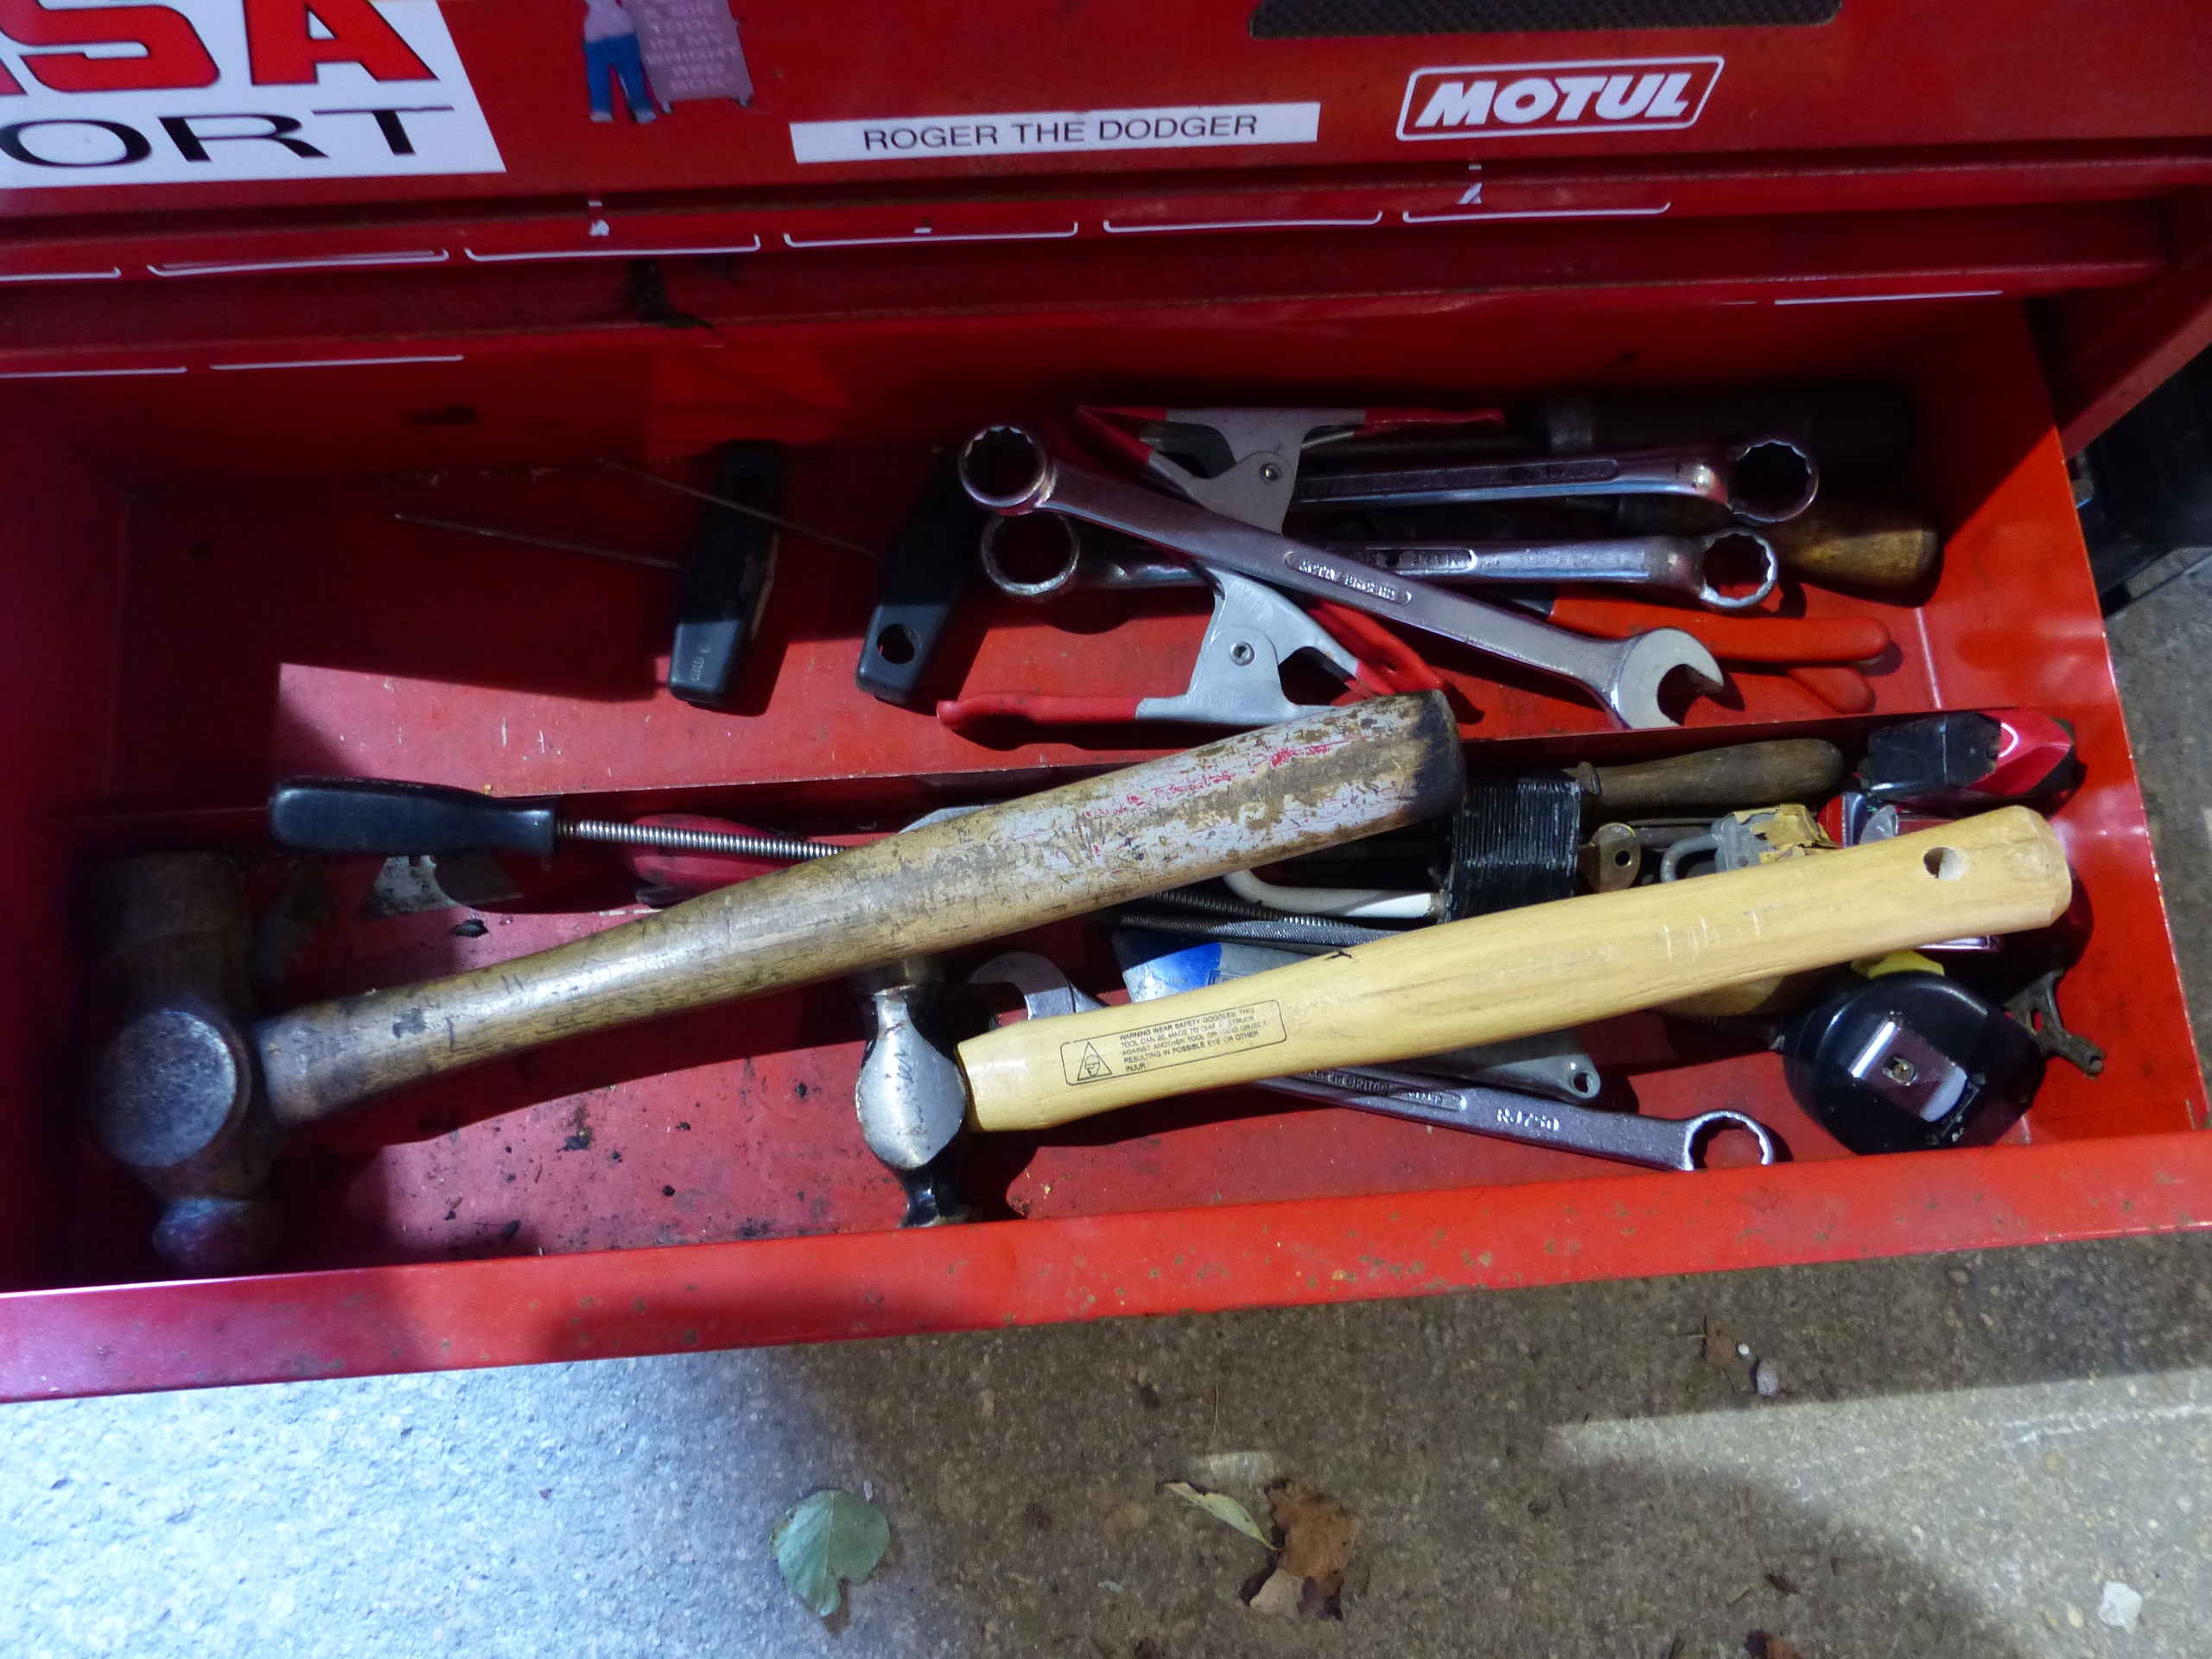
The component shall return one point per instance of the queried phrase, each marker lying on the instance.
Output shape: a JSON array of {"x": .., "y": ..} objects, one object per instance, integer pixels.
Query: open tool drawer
[{"x": 207, "y": 589}]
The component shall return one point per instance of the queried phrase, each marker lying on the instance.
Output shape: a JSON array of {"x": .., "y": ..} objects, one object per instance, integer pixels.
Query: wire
[
  {"x": 499, "y": 535},
  {"x": 1355, "y": 903},
  {"x": 761, "y": 513}
]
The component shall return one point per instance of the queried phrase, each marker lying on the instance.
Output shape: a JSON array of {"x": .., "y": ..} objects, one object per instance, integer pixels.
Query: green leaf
[
  {"x": 824, "y": 1538},
  {"x": 1223, "y": 1509}
]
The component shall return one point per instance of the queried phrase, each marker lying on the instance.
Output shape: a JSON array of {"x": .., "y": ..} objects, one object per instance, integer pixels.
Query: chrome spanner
[
  {"x": 1676, "y": 564},
  {"x": 1653, "y": 1142},
  {"x": 1764, "y": 480},
  {"x": 1010, "y": 470}
]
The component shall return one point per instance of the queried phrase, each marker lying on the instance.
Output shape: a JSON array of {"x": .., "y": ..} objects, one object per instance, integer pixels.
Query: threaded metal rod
[
  {"x": 668, "y": 840},
  {"x": 1215, "y": 903}
]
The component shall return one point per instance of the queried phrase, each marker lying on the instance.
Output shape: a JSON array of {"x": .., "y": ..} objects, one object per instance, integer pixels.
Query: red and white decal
[
  {"x": 1516, "y": 100},
  {"x": 194, "y": 91}
]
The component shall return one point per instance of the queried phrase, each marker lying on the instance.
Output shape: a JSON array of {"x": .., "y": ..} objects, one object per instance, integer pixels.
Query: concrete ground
[{"x": 1969, "y": 1457}]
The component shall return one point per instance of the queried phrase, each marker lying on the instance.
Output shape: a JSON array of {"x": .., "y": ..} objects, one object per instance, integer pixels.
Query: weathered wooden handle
[
  {"x": 1521, "y": 971},
  {"x": 1860, "y": 544},
  {"x": 1249, "y": 799},
  {"x": 1743, "y": 775}
]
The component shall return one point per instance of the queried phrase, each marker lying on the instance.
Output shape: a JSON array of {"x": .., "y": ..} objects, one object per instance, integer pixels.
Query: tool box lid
[{"x": 228, "y": 103}]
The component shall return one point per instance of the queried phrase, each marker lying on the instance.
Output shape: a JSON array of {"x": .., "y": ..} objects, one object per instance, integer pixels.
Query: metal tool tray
[{"x": 204, "y": 589}]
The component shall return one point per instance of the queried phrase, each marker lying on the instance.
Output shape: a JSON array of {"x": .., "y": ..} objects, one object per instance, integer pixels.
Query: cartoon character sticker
[{"x": 661, "y": 53}]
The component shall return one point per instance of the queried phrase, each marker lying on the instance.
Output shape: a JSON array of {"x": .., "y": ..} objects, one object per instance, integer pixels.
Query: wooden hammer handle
[
  {"x": 1249, "y": 799},
  {"x": 1521, "y": 971}
]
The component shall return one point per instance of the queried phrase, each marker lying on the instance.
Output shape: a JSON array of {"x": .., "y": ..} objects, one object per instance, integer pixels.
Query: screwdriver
[{"x": 371, "y": 815}]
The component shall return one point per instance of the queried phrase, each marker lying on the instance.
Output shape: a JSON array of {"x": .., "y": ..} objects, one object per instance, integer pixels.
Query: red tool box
[{"x": 275, "y": 270}]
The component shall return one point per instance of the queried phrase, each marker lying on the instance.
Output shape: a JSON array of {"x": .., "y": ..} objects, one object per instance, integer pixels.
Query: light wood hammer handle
[
  {"x": 1522, "y": 971},
  {"x": 1253, "y": 798}
]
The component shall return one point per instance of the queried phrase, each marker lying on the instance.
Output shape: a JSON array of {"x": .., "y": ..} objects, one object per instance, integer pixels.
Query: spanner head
[
  {"x": 1007, "y": 469},
  {"x": 1641, "y": 664},
  {"x": 1699, "y": 1133},
  {"x": 1045, "y": 991}
]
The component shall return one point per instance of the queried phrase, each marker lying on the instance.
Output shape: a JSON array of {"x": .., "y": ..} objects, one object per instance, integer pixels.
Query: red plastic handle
[
  {"x": 1840, "y": 686},
  {"x": 1387, "y": 664},
  {"x": 1036, "y": 709}
]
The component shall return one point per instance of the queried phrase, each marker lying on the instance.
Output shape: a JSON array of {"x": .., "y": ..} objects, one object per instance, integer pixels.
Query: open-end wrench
[
  {"x": 1011, "y": 470},
  {"x": 1673, "y": 563},
  {"x": 1765, "y": 480}
]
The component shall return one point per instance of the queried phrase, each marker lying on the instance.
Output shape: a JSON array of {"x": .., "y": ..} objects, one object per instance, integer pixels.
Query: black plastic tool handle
[
  {"x": 922, "y": 583},
  {"x": 727, "y": 577},
  {"x": 370, "y": 815}
]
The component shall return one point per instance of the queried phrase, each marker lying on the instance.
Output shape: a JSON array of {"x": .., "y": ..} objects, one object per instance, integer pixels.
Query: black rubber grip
[
  {"x": 370, "y": 815},
  {"x": 923, "y": 581},
  {"x": 1847, "y": 425},
  {"x": 727, "y": 579},
  {"x": 1513, "y": 842}
]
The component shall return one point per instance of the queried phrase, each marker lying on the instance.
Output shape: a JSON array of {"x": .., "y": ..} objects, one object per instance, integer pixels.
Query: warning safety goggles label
[
  {"x": 1506, "y": 101},
  {"x": 199, "y": 91},
  {"x": 1172, "y": 1042},
  {"x": 1054, "y": 132}
]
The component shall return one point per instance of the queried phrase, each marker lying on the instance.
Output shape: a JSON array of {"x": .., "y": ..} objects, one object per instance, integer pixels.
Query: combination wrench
[
  {"x": 1765, "y": 481},
  {"x": 1011, "y": 471},
  {"x": 1673, "y": 563},
  {"x": 1652, "y": 1142},
  {"x": 1676, "y": 564},
  {"x": 1477, "y": 1109}
]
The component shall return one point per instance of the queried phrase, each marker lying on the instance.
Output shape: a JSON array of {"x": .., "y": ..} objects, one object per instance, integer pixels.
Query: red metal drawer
[
  {"x": 215, "y": 395},
  {"x": 242, "y": 610}
]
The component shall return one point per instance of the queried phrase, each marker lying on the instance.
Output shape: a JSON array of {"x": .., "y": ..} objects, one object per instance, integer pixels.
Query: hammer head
[
  {"x": 912, "y": 1096},
  {"x": 176, "y": 1095}
]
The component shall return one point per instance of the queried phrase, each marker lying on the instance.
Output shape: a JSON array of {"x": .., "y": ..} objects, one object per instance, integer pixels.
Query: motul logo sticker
[
  {"x": 197, "y": 91},
  {"x": 1514, "y": 100}
]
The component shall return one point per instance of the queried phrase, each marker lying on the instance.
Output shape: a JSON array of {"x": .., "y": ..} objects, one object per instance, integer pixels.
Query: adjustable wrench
[
  {"x": 1502, "y": 1114},
  {"x": 1010, "y": 470},
  {"x": 1765, "y": 480},
  {"x": 1674, "y": 563}
]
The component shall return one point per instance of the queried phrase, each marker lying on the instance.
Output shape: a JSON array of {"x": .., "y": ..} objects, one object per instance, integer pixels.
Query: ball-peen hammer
[
  {"x": 196, "y": 1099},
  {"x": 1541, "y": 968}
]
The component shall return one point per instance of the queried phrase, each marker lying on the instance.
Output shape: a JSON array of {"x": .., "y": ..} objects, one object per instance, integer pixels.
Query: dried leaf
[
  {"x": 1783, "y": 1584},
  {"x": 1223, "y": 1509},
  {"x": 827, "y": 1537},
  {"x": 1762, "y": 1644},
  {"x": 1319, "y": 1535},
  {"x": 1279, "y": 1595},
  {"x": 1125, "y": 1519},
  {"x": 1220, "y": 1470}
]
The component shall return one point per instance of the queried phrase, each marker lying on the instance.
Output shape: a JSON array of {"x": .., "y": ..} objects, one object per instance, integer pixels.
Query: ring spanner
[
  {"x": 1672, "y": 563},
  {"x": 1010, "y": 470}
]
